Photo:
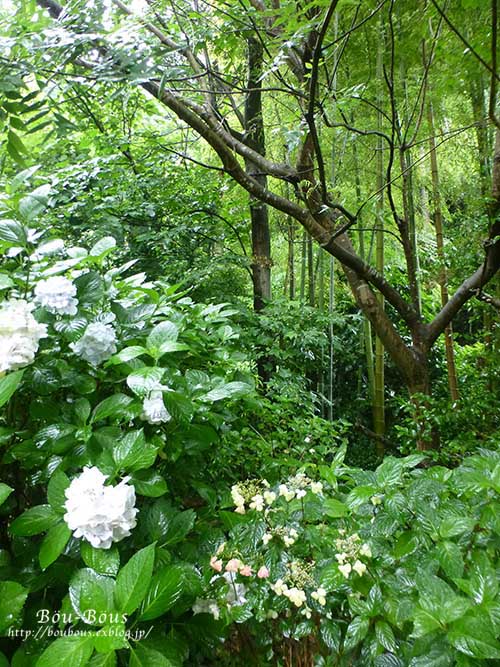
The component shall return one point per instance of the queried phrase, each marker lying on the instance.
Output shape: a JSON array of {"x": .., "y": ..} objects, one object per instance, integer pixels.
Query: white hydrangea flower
[
  {"x": 97, "y": 344},
  {"x": 20, "y": 335},
  {"x": 56, "y": 294},
  {"x": 266, "y": 538},
  {"x": 316, "y": 487},
  {"x": 154, "y": 410},
  {"x": 100, "y": 514}
]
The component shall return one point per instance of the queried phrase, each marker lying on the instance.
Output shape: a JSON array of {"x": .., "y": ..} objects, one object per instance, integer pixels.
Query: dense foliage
[{"x": 249, "y": 334}]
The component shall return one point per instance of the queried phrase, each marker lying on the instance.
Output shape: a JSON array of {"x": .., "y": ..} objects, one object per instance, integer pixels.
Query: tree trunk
[
  {"x": 442, "y": 278},
  {"x": 254, "y": 128}
]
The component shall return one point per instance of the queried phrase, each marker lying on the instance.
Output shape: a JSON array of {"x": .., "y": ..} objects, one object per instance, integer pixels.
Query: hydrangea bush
[
  {"x": 114, "y": 390},
  {"x": 341, "y": 566}
]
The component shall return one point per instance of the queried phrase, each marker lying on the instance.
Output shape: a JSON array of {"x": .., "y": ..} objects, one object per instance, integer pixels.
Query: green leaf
[
  {"x": 164, "y": 591},
  {"x": 178, "y": 527},
  {"x": 450, "y": 559},
  {"x": 127, "y": 354},
  {"x": 331, "y": 635},
  {"x": 114, "y": 406},
  {"x": 475, "y": 637},
  {"x": 103, "y": 247},
  {"x": 144, "y": 380},
  {"x": 456, "y": 525},
  {"x": 146, "y": 656},
  {"x": 103, "y": 561},
  {"x": 73, "y": 651},
  {"x": 56, "y": 490},
  {"x": 385, "y": 636},
  {"x": 5, "y": 282},
  {"x": 31, "y": 206},
  {"x": 53, "y": 544},
  {"x": 103, "y": 660},
  {"x": 356, "y": 632},
  {"x": 111, "y": 637},
  {"x": 34, "y": 521},
  {"x": 133, "y": 580},
  {"x": 91, "y": 596},
  {"x": 5, "y": 491},
  {"x": 133, "y": 452},
  {"x": 8, "y": 385},
  {"x": 3, "y": 660},
  {"x": 12, "y": 599},
  {"x": 334, "y": 508},
  {"x": 90, "y": 288},
  {"x": 149, "y": 483},
  {"x": 163, "y": 333},
  {"x": 229, "y": 390}
]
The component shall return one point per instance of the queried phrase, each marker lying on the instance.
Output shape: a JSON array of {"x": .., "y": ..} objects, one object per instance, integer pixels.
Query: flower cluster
[
  {"x": 100, "y": 514},
  {"x": 236, "y": 566},
  {"x": 295, "y": 584},
  {"x": 298, "y": 485},
  {"x": 20, "y": 335},
  {"x": 259, "y": 496},
  {"x": 57, "y": 295},
  {"x": 154, "y": 410},
  {"x": 97, "y": 344},
  {"x": 254, "y": 492},
  {"x": 350, "y": 550}
]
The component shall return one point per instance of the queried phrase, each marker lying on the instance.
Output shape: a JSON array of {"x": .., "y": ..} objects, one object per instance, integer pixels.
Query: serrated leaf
[
  {"x": 72, "y": 650},
  {"x": 91, "y": 596},
  {"x": 53, "y": 544},
  {"x": 144, "y": 380},
  {"x": 229, "y": 390},
  {"x": 133, "y": 580},
  {"x": 103, "y": 561},
  {"x": 34, "y": 521},
  {"x": 164, "y": 591},
  {"x": 12, "y": 599},
  {"x": 8, "y": 385},
  {"x": 114, "y": 406},
  {"x": 356, "y": 632}
]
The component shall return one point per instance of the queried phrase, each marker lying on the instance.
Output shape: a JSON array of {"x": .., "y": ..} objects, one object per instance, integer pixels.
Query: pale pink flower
[
  {"x": 233, "y": 565},
  {"x": 263, "y": 572},
  {"x": 246, "y": 571},
  {"x": 216, "y": 564}
]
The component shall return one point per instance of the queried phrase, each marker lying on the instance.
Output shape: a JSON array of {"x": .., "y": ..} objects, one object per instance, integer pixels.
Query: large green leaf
[
  {"x": 356, "y": 632},
  {"x": 56, "y": 490},
  {"x": 475, "y": 636},
  {"x": 91, "y": 596},
  {"x": 35, "y": 520},
  {"x": 133, "y": 452},
  {"x": 164, "y": 591},
  {"x": 229, "y": 390},
  {"x": 53, "y": 544},
  {"x": 103, "y": 561},
  {"x": 145, "y": 379},
  {"x": 5, "y": 491},
  {"x": 114, "y": 406},
  {"x": 149, "y": 483},
  {"x": 72, "y": 651},
  {"x": 8, "y": 385},
  {"x": 133, "y": 580},
  {"x": 12, "y": 599}
]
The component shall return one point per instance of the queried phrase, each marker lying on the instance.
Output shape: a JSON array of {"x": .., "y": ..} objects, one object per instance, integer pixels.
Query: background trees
[{"x": 333, "y": 116}]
